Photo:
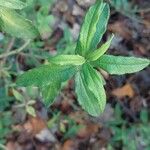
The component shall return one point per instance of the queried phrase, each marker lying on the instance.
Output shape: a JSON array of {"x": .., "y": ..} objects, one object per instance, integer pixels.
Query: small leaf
[
  {"x": 17, "y": 95},
  {"x": 14, "y": 24},
  {"x": 93, "y": 28},
  {"x": 46, "y": 74},
  {"x": 13, "y": 4},
  {"x": 90, "y": 90},
  {"x": 92, "y": 56},
  {"x": 31, "y": 111},
  {"x": 120, "y": 64},
  {"x": 49, "y": 92},
  {"x": 67, "y": 60}
]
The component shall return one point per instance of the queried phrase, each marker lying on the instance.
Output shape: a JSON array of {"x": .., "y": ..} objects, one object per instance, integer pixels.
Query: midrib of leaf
[
  {"x": 96, "y": 92},
  {"x": 67, "y": 60},
  {"x": 83, "y": 87},
  {"x": 121, "y": 64},
  {"x": 95, "y": 16},
  {"x": 101, "y": 27},
  {"x": 97, "y": 77}
]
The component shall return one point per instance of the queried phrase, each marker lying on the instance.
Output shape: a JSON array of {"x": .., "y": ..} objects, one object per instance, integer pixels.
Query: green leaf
[
  {"x": 120, "y": 64},
  {"x": 46, "y": 74},
  {"x": 90, "y": 90},
  {"x": 93, "y": 28},
  {"x": 50, "y": 91},
  {"x": 14, "y": 24},
  {"x": 17, "y": 95},
  {"x": 31, "y": 111},
  {"x": 67, "y": 60},
  {"x": 92, "y": 56},
  {"x": 13, "y": 4}
]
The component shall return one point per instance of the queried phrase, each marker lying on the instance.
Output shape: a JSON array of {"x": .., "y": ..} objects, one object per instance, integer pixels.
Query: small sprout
[{"x": 88, "y": 81}]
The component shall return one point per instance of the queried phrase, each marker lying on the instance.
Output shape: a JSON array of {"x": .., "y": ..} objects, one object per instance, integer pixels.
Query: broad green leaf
[
  {"x": 92, "y": 56},
  {"x": 14, "y": 24},
  {"x": 67, "y": 60},
  {"x": 13, "y": 4},
  {"x": 50, "y": 91},
  {"x": 90, "y": 90},
  {"x": 93, "y": 28},
  {"x": 46, "y": 74},
  {"x": 120, "y": 64}
]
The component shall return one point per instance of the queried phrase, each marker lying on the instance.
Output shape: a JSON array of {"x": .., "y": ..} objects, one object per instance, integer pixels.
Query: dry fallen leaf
[
  {"x": 88, "y": 130},
  {"x": 126, "y": 90},
  {"x": 69, "y": 145},
  {"x": 121, "y": 29},
  {"x": 38, "y": 128},
  {"x": 11, "y": 146},
  {"x": 35, "y": 125}
]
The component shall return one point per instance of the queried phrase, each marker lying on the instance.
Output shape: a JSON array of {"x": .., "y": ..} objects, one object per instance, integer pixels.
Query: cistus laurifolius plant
[{"x": 89, "y": 83}]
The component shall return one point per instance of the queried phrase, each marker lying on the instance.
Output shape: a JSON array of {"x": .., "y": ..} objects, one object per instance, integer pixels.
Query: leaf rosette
[{"x": 89, "y": 83}]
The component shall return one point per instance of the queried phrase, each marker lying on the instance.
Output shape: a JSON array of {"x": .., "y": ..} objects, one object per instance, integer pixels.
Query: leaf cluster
[{"x": 89, "y": 83}]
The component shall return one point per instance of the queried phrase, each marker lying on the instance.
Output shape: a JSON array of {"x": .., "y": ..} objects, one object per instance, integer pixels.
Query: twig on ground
[{"x": 16, "y": 51}]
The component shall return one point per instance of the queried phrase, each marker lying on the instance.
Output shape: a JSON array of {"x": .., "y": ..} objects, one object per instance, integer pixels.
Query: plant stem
[
  {"x": 16, "y": 51},
  {"x": 10, "y": 45}
]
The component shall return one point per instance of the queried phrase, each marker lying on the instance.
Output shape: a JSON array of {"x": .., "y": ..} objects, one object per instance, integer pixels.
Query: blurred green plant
[
  {"x": 44, "y": 20},
  {"x": 66, "y": 45},
  {"x": 5, "y": 123},
  {"x": 126, "y": 8},
  {"x": 13, "y": 23},
  {"x": 123, "y": 132},
  {"x": 10, "y": 51},
  {"x": 70, "y": 128},
  {"x": 26, "y": 99}
]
